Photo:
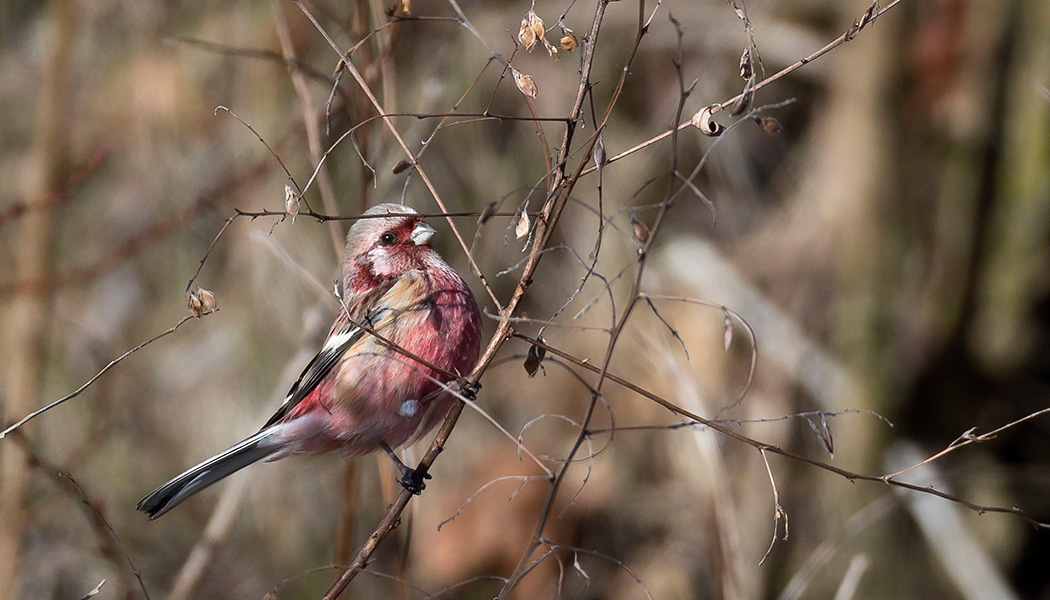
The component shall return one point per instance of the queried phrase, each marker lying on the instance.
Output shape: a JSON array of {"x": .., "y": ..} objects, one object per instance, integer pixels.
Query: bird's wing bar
[
  {"x": 334, "y": 347},
  {"x": 344, "y": 334}
]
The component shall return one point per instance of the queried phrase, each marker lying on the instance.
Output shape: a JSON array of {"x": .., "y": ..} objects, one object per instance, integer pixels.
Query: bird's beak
[{"x": 422, "y": 233}]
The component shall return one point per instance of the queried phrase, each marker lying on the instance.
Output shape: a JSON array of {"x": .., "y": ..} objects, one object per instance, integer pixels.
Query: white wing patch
[
  {"x": 322, "y": 362},
  {"x": 339, "y": 339}
]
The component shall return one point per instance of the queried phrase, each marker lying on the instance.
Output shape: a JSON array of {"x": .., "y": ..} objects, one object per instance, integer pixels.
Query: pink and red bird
[{"x": 409, "y": 325}]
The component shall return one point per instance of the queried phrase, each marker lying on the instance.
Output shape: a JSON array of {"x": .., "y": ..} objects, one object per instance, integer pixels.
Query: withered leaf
[{"x": 534, "y": 359}]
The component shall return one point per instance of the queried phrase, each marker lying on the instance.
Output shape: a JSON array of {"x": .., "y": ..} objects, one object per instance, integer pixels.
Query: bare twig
[
  {"x": 771, "y": 448},
  {"x": 778, "y": 510},
  {"x": 36, "y": 413},
  {"x": 967, "y": 438},
  {"x": 718, "y": 106},
  {"x": 100, "y": 521},
  {"x": 63, "y": 193},
  {"x": 404, "y": 147},
  {"x": 310, "y": 120}
]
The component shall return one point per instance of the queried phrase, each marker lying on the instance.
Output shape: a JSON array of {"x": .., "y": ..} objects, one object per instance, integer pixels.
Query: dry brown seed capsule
[
  {"x": 768, "y": 124},
  {"x": 568, "y": 40},
  {"x": 531, "y": 31},
  {"x": 534, "y": 359},
  {"x": 207, "y": 300},
  {"x": 525, "y": 83},
  {"x": 291, "y": 202},
  {"x": 704, "y": 121},
  {"x": 551, "y": 49},
  {"x": 599, "y": 151},
  {"x": 537, "y": 26},
  {"x": 401, "y": 166},
  {"x": 522, "y": 228},
  {"x": 744, "y": 101},
  {"x": 200, "y": 301},
  {"x": 639, "y": 230},
  {"x": 746, "y": 69},
  {"x": 193, "y": 302}
]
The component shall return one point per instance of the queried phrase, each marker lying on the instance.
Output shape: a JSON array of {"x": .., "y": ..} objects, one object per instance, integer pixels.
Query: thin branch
[
  {"x": 63, "y": 193},
  {"x": 967, "y": 438},
  {"x": 522, "y": 479},
  {"x": 36, "y": 413},
  {"x": 778, "y": 510},
  {"x": 102, "y": 522},
  {"x": 404, "y": 147},
  {"x": 758, "y": 445},
  {"x": 310, "y": 121},
  {"x": 850, "y": 33},
  {"x": 258, "y": 53}
]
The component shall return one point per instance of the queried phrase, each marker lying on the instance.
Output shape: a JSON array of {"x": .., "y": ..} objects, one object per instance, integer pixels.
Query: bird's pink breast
[{"x": 362, "y": 401}]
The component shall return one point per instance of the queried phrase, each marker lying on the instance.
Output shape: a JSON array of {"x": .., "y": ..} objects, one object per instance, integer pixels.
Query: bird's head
[{"x": 390, "y": 240}]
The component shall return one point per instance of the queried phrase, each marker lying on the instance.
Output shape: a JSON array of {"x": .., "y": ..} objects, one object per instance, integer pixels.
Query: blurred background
[{"x": 887, "y": 240}]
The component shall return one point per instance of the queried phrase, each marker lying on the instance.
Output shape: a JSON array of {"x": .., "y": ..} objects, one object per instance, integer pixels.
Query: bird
[{"x": 408, "y": 327}]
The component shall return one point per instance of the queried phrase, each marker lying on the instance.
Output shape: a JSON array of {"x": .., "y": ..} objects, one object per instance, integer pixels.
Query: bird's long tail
[{"x": 231, "y": 460}]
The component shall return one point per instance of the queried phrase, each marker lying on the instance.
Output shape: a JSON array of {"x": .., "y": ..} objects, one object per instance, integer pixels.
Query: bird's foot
[
  {"x": 468, "y": 390},
  {"x": 413, "y": 480}
]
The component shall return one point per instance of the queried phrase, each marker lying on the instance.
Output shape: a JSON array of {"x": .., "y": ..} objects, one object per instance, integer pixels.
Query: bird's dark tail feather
[{"x": 233, "y": 459}]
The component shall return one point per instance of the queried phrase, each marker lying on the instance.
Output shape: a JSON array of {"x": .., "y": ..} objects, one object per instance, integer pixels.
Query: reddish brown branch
[{"x": 63, "y": 194}]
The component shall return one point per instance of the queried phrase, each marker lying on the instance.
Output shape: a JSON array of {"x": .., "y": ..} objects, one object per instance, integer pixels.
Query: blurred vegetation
[{"x": 890, "y": 247}]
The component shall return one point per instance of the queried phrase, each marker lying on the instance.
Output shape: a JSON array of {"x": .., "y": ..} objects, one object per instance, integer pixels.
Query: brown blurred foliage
[{"x": 889, "y": 243}]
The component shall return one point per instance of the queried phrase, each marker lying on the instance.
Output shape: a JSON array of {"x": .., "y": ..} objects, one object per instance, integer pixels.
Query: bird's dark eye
[{"x": 388, "y": 238}]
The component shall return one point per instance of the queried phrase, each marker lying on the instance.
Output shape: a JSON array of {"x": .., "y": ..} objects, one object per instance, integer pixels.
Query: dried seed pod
[
  {"x": 291, "y": 202},
  {"x": 193, "y": 302},
  {"x": 704, "y": 121},
  {"x": 599, "y": 151},
  {"x": 531, "y": 31},
  {"x": 746, "y": 67},
  {"x": 526, "y": 35},
  {"x": 744, "y": 101},
  {"x": 768, "y": 124},
  {"x": 525, "y": 83},
  {"x": 401, "y": 166},
  {"x": 568, "y": 40},
  {"x": 639, "y": 230},
  {"x": 823, "y": 431},
  {"x": 551, "y": 49},
  {"x": 522, "y": 228},
  {"x": 200, "y": 301},
  {"x": 208, "y": 302}
]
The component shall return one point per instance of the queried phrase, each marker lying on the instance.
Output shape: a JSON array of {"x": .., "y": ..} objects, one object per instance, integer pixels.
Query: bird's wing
[
  {"x": 334, "y": 347},
  {"x": 344, "y": 334}
]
